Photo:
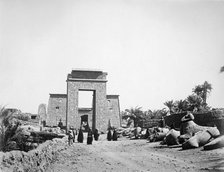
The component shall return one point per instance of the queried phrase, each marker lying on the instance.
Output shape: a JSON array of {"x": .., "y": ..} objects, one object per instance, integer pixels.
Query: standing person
[
  {"x": 89, "y": 137},
  {"x": 109, "y": 135},
  {"x": 96, "y": 134},
  {"x": 60, "y": 124},
  {"x": 114, "y": 135},
  {"x": 76, "y": 132},
  {"x": 80, "y": 136},
  {"x": 73, "y": 132},
  {"x": 70, "y": 138},
  {"x": 162, "y": 122},
  {"x": 147, "y": 134}
]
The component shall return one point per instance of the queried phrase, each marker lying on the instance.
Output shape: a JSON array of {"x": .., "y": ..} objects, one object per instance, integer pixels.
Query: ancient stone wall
[
  {"x": 114, "y": 110},
  {"x": 56, "y": 109},
  {"x": 65, "y": 106},
  {"x": 100, "y": 103},
  {"x": 42, "y": 112},
  {"x": 88, "y": 74}
]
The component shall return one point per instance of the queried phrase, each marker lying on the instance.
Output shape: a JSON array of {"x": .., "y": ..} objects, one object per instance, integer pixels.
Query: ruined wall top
[
  {"x": 87, "y": 74},
  {"x": 112, "y": 96},
  {"x": 58, "y": 95}
]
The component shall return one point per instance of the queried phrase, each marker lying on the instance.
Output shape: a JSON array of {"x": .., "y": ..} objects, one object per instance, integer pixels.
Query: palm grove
[{"x": 196, "y": 102}]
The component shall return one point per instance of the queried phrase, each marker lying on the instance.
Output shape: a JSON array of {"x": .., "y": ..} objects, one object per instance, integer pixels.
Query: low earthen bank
[{"x": 35, "y": 160}]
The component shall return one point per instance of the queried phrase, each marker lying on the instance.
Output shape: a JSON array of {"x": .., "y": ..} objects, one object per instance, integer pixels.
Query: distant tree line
[
  {"x": 138, "y": 116},
  {"x": 196, "y": 102}
]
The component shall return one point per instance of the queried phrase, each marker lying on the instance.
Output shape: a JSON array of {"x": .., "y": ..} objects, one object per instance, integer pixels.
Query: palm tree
[
  {"x": 2, "y": 128},
  {"x": 136, "y": 114},
  {"x": 159, "y": 113},
  {"x": 8, "y": 127},
  {"x": 194, "y": 102},
  {"x": 222, "y": 69},
  {"x": 5, "y": 118},
  {"x": 182, "y": 105},
  {"x": 148, "y": 114},
  {"x": 207, "y": 88},
  {"x": 170, "y": 104},
  {"x": 198, "y": 90},
  {"x": 203, "y": 91}
]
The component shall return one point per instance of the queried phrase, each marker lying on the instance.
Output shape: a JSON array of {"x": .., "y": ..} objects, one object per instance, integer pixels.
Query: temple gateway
[{"x": 105, "y": 108}]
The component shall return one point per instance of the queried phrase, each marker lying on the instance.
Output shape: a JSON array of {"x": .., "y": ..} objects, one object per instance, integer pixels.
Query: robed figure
[
  {"x": 109, "y": 135},
  {"x": 80, "y": 136},
  {"x": 96, "y": 134},
  {"x": 89, "y": 137},
  {"x": 114, "y": 135}
]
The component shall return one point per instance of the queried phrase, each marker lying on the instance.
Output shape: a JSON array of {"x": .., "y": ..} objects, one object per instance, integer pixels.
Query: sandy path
[{"x": 135, "y": 155}]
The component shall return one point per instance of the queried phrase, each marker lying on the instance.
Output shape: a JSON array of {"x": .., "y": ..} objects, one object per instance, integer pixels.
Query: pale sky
[{"x": 153, "y": 50}]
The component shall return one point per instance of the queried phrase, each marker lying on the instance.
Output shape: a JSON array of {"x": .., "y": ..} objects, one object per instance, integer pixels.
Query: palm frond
[{"x": 222, "y": 69}]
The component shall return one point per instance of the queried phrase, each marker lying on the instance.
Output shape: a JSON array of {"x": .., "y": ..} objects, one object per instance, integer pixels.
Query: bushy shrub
[
  {"x": 22, "y": 116},
  {"x": 8, "y": 127}
]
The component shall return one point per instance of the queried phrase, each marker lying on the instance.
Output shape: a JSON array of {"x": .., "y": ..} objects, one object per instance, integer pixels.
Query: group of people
[
  {"x": 72, "y": 133},
  {"x": 111, "y": 136}
]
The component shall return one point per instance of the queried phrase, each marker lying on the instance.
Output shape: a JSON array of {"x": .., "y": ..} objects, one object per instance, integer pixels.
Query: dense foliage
[
  {"x": 196, "y": 102},
  {"x": 138, "y": 117},
  {"x": 10, "y": 135}
]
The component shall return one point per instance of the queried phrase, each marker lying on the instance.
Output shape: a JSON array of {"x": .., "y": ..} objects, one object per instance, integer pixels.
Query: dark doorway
[
  {"x": 84, "y": 123},
  {"x": 87, "y": 112}
]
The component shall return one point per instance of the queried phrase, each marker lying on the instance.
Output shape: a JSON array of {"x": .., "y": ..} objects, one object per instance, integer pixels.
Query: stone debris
[
  {"x": 198, "y": 140},
  {"x": 189, "y": 128},
  {"x": 215, "y": 143},
  {"x": 172, "y": 137},
  {"x": 191, "y": 135}
]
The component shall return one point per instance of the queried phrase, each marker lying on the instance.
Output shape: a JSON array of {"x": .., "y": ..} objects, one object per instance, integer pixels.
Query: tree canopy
[
  {"x": 203, "y": 90},
  {"x": 222, "y": 69}
]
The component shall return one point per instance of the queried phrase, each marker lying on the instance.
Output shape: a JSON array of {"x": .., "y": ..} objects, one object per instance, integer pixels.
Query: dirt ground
[{"x": 135, "y": 155}]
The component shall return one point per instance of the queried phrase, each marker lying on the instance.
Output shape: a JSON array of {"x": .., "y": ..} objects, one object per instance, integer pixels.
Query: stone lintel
[
  {"x": 85, "y": 109},
  {"x": 86, "y": 70},
  {"x": 86, "y": 80},
  {"x": 87, "y": 74},
  {"x": 112, "y": 96},
  {"x": 58, "y": 95}
]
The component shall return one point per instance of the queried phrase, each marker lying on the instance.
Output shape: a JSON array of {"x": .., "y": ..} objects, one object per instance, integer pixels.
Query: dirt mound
[{"x": 35, "y": 160}]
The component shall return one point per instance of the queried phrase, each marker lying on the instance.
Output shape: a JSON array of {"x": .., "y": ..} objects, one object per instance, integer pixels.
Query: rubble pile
[
  {"x": 172, "y": 137},
  {"x": 27, "y": 137},
  {"x": 190, "y": 135},
  {"x": 215, "y": 144}
]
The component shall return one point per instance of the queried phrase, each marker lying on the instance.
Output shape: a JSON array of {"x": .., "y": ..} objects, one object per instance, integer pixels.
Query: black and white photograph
[{"x": 112, "y": 85}]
